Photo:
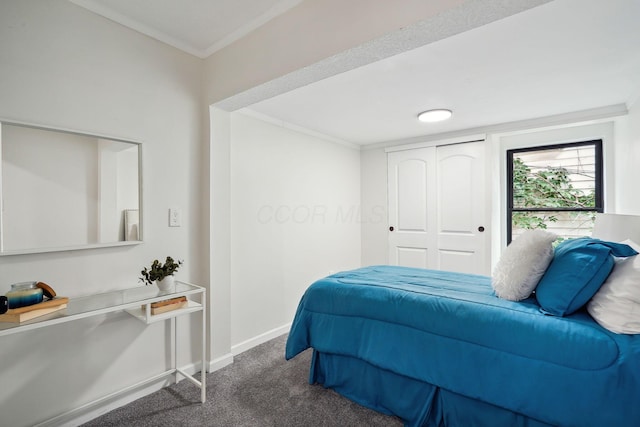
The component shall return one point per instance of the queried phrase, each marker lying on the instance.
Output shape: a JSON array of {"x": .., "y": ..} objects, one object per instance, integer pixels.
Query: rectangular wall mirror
[{"x": 65, "y": 190}]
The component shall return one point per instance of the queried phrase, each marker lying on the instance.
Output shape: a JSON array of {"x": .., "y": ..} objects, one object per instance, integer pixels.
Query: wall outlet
[{"x": 175, "y": 217}]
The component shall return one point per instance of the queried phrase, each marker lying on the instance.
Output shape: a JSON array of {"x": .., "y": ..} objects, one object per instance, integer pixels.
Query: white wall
[
  {"x": 220, "y": 239},
  {"x": 627, "y": 162},
  {"x": 295, "y": 217},
  {"x": 65, "y": 67}
]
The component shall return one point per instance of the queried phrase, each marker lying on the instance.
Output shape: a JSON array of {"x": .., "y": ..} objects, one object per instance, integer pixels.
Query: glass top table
[{"x": 132, "y": 300}]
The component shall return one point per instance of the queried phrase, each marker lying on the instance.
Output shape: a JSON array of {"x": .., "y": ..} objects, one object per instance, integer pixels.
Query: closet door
[
  {"x": 462, "y": 205},
  {"x": 412, "y": 214},
  {"x": 437, "y": 208}
]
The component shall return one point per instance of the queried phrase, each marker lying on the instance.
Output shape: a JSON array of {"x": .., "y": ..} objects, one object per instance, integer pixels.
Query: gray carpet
[{"x": 259, "y": 389}]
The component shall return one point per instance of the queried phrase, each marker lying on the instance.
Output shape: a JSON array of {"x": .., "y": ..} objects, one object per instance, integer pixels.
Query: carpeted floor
[{"x": 259, "y": 389}]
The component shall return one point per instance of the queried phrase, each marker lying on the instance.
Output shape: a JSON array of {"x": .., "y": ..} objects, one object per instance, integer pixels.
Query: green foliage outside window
[{"x": 546, "y": 188}]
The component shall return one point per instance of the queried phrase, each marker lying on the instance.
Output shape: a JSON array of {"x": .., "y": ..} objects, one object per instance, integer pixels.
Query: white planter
[{"x": 166, "y": 284}]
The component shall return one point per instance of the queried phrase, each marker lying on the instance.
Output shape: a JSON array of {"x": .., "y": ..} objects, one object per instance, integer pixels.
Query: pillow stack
[{"x": 577, "y": 272}]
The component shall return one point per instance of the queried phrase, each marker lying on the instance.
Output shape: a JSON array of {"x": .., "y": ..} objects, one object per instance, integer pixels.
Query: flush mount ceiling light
[{"x": 434, "y": 115}]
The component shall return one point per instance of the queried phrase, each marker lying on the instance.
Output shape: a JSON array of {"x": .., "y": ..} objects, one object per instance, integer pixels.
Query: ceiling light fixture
[{"x": 434, "y": 115}]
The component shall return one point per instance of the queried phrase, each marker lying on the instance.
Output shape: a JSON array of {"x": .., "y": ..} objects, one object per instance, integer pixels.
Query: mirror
[{"x": 64, "y": 190}]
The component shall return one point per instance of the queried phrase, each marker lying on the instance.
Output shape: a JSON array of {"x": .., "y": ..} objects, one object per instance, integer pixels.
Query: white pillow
[
  {"x": 616, "y": 306},
  {"x": 522, "y": 264}
]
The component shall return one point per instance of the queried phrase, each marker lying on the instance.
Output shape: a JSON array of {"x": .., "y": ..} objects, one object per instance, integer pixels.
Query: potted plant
[{"x": 161, "y": 274}]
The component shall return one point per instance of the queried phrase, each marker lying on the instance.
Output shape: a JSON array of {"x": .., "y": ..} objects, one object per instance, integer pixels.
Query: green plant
[
  {"x": 159, "y": 271},
  {"x": 547, "y": 188}
]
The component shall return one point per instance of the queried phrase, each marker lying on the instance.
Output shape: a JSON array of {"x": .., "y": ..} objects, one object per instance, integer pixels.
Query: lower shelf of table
[{"x": 141, "y": 314}]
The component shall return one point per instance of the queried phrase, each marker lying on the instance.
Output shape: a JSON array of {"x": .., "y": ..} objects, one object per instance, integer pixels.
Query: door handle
[
  {"x": 391, "y": 228},
  {"x": 481, "y": 229}
]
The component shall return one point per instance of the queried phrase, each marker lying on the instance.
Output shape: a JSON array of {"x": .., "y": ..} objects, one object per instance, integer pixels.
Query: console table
[{"x": 137, "y": 302}]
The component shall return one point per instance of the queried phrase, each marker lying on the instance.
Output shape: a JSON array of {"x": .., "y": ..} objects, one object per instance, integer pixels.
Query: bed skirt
[{"x": 416, "y": 403}]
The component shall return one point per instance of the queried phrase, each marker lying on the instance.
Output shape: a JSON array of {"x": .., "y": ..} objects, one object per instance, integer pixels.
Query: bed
[{"x": 439, "y": 348}]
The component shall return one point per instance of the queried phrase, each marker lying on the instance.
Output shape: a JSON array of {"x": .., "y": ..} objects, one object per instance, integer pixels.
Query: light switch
[{"x": 175, "y": 217}]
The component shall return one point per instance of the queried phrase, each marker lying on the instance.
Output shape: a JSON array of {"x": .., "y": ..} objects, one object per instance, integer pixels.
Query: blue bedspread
[{"x": 450, "y": 330}]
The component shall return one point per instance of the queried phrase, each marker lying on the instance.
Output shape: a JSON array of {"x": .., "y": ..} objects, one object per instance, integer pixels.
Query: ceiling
[
  {"x": 199, "y": 27},
  {"x": 562, "y": 57}
]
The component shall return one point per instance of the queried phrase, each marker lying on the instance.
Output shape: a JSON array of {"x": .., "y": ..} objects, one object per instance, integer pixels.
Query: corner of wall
[{"x": 220, "y": 234}]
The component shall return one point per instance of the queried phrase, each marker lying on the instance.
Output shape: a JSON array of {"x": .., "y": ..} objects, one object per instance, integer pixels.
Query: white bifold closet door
[{"x": 437, "y": 208}]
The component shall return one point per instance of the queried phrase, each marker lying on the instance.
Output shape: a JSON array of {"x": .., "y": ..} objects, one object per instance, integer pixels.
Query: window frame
[{"x": 598, "y": 180}]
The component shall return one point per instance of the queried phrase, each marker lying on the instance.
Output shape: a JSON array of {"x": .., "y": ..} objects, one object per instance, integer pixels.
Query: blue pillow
[{"x": 578, "y": 269}]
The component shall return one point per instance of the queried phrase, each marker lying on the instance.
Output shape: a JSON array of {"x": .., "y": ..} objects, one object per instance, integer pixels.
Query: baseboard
[
  {"x": 79, "y": 416},
  {"x": 260, "y": 339},
  {"x": 220, "y": 362}
]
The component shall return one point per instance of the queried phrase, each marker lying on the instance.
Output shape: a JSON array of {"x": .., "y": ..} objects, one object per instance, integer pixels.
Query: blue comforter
[{"x": 450, "y": 330}]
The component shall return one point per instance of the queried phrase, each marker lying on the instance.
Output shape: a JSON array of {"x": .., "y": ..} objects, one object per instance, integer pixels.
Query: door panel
[
  {"x": 458, "y": 261},
  {"x": 412, "y": 195},
  {"x": 455, "y": 184},
  {"x": 461, "y": 208},
  {"x": 412, "y": 257},
  {"x": 411, "y": 183}
]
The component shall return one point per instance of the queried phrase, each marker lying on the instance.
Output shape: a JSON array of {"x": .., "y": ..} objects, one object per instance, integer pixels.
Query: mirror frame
[{"x": 140, "y": 240}]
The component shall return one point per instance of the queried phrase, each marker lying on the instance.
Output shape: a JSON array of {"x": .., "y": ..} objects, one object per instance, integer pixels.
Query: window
[{"x": 556, "y": 187}]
